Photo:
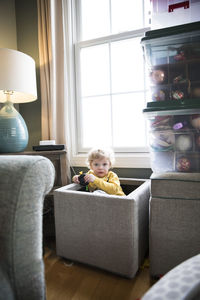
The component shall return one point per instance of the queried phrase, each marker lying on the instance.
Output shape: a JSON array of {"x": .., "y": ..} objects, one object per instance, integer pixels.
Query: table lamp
[{"x": 17, "y": 85}]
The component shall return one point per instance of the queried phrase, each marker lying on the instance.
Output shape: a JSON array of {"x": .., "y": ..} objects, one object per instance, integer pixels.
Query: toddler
[{"x": 99, "y": 177}]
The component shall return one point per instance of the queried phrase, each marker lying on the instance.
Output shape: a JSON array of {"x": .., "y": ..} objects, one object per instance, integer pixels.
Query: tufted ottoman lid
[{"x": 176, "y": 185}]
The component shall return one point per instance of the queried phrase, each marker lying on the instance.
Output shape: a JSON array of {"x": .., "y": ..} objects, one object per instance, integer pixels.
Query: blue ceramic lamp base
[{"x": 13, "y": 130}]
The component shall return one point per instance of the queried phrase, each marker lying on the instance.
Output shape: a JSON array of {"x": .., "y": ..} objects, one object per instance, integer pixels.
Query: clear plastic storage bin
[
  {"x": 174, "y": 141},
  {"x": 173, "y": 59},
  {"x": 173, "y": 109}
]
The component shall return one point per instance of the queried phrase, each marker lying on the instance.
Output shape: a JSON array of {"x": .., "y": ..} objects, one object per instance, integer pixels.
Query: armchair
[
  {"x": 24, "y": 181},
  {"x": 181, "y": 283}
]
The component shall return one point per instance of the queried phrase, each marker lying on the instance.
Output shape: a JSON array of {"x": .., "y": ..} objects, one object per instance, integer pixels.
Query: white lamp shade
[{"x": 17, "y": 74}]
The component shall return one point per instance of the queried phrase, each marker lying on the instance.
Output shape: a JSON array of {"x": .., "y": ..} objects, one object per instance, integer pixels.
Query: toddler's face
[{"x": 100, "y": 167}]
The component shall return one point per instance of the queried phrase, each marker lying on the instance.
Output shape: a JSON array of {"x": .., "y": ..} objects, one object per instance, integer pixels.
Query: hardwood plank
[
  {"x": 87, "y": 287},
  {"x": 141, "y": 285},
  {"x": 74, "y": 281},
  {"x": 62, "y": 281},
  {"x": 105, "y": 287},
  {"x": 123, "y": 289}
]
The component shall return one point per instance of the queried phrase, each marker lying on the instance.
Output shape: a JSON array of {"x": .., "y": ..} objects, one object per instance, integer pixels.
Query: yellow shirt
[{"x": 109, "y": 184}]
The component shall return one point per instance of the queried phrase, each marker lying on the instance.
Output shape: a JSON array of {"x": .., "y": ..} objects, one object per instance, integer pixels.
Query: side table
[{"x": 59, "y": 160}]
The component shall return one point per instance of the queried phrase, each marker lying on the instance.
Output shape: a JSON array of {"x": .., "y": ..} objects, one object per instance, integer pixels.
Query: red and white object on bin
[{"x": 167, "y": 13}]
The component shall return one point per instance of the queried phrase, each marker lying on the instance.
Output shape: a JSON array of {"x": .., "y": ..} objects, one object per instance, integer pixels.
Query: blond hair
[{"x": 96, "y": 153}]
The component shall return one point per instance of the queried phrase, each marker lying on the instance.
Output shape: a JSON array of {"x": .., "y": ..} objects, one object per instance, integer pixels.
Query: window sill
[{"x": 125, "y": 160}]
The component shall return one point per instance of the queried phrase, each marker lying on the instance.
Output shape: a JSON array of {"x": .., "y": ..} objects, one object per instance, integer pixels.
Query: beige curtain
[{"x": 53, "y": 71}]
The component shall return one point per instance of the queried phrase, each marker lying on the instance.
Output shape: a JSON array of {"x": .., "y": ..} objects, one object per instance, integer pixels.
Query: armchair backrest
[{"x": 24, "y": 181}]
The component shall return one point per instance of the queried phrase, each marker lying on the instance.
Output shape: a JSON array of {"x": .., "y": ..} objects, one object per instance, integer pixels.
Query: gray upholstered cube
[
  {"x": 106, "y": 231},
  {"x": 174, "y": 220}
]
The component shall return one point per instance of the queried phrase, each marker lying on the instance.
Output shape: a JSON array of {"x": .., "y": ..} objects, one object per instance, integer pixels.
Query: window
[{"x": 110, "y": 76}]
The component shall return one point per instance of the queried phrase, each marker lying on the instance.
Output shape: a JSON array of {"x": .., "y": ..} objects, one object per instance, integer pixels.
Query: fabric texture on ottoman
[
  {"x": 174, "y": 220},
  {"x": 106, "y": 231}
]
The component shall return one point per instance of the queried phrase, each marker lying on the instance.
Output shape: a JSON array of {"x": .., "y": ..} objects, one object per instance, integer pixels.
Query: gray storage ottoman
[
  {"x": 174, "y": 220},
  {"x": 105, "y": 231}
]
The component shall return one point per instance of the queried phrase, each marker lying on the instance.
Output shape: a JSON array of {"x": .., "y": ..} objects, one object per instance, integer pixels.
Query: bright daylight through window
[{"x": 110, "y": 74}]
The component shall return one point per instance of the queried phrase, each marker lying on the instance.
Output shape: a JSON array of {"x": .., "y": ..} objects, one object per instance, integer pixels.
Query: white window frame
[{"x": 125, "y": 159}]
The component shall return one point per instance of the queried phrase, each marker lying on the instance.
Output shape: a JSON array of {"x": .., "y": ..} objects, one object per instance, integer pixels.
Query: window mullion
[
  {"x": 111, "y": 105},
  {"x": 143, "y": 15},
  {"x": 114, "y": 37},
  {"x": 110, "y": 10}
]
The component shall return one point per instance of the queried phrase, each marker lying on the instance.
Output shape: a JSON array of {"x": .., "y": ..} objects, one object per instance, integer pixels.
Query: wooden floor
[{"x": 66, "y": 281}]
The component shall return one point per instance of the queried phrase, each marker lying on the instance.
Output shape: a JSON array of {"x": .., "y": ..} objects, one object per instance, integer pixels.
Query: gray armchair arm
[
  {"x": 24, "y": 181},
  {"x": 181, "y": 283}
]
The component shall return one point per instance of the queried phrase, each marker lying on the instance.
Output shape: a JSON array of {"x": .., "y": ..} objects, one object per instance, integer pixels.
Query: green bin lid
[
  {"x": 170, "y": 31},
  {"x": 188, "y": 106}
]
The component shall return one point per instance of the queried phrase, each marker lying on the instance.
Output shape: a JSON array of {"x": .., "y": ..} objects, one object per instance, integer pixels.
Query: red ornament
[
  {"x": 178, "y": 95},
  {"x": 180, "y": 56},
  {"x": 183, "y": 164}
]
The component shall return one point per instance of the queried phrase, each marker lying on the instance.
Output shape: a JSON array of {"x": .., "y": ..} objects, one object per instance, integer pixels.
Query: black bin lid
[
  {"x": 173, "y": 107},
  {"x": 186, "y": 30}
]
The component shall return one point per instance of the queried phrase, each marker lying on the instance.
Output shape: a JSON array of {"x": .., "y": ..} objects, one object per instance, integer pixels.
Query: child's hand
[
  {"x": 89, "y": 178},
  {"x": 75, "y": 179}
]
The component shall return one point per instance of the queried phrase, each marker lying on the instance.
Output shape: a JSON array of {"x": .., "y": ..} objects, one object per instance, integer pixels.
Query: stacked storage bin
[{"x": 173, "y": 110}]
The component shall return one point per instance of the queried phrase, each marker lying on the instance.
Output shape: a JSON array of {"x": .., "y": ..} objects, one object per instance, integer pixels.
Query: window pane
[
  {"x": 95, "y": 18},
  {"x": 96, "y": 125},
  {"x": 128, "y": 120},
  {"x": 127, "y": 66},
  {"x": 110, "y": 74},
  {"x": 95, "y": 70},
  {"x": 126, "y": 15}
]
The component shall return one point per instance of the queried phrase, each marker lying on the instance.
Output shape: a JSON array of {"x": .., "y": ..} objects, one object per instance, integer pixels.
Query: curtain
[{"x": 53, "y": 71}]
